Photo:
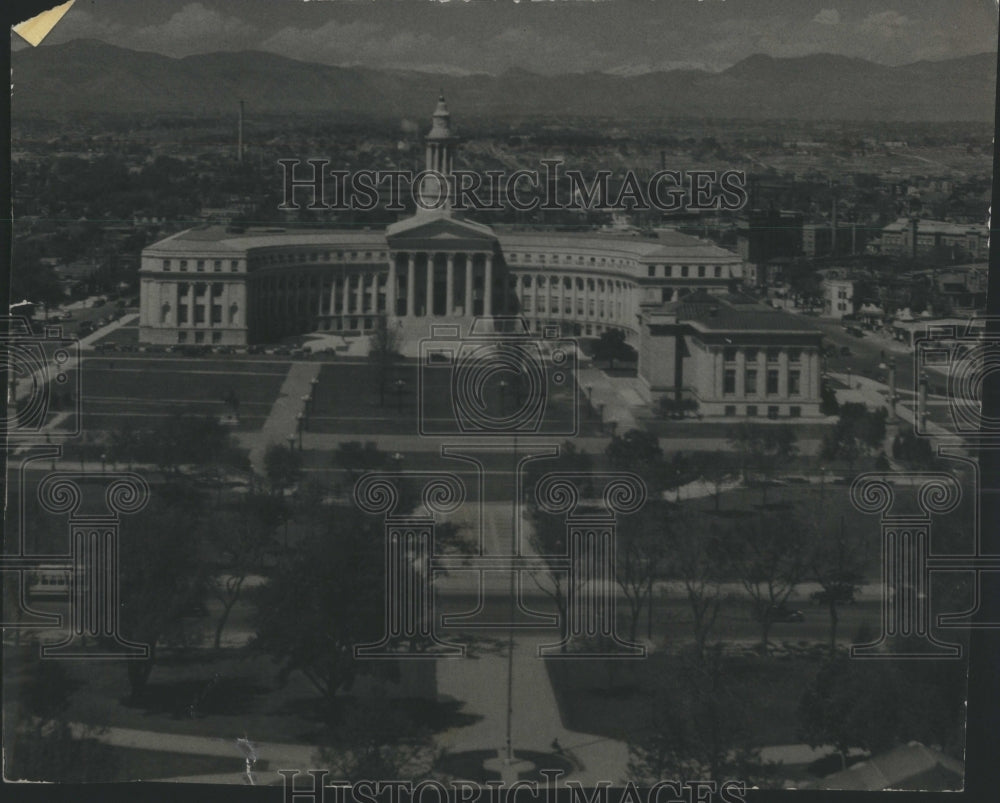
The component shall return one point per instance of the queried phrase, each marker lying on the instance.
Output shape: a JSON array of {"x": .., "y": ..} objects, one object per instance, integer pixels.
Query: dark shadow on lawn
[
  {"x": 195, "y": 699},
  {"x": 468, "y": 765}
]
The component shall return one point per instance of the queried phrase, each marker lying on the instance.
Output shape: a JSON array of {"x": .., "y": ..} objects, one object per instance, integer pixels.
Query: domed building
[{"x": 216, "y": 286}]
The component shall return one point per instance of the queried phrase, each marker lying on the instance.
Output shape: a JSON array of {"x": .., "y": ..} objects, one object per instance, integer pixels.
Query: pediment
[{"x": 440, "y": 229}]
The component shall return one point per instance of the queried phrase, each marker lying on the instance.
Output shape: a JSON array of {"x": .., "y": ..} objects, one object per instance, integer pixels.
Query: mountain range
[{"x": 88, "y": 76}]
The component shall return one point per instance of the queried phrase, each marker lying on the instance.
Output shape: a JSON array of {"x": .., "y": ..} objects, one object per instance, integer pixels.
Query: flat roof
[{"x": 217, "y": 238}]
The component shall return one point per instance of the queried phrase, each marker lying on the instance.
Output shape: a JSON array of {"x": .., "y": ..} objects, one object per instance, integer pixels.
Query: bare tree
[{"x": 770, "y": 559}]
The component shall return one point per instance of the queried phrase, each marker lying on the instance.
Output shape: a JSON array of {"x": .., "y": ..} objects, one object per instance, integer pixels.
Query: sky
[{"x": 542, "y": 36}]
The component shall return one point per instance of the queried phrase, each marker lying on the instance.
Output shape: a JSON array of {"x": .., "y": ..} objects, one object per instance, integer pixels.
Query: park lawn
[
  {"x": 771, "y": 689},
  {"x": 348, "y": 401}
]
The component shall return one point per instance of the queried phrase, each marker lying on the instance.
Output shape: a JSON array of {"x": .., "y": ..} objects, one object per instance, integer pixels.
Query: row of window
[
  {"x": 750, "y": 382},
  {"x": 593, "y": 308},
  {"x": 773, "y": 411},
  {"x": 316, "y": 256},
  {"x": 683, "y": 271},
  {"x": 565, "y": 259},
  {"x": 753, "y": 354},
  {"x": 201, "y": 265},
  {"x": 567, "y": 282},
  {"x": 199, "y": 313},
  {"x": 200, "y": 288}
]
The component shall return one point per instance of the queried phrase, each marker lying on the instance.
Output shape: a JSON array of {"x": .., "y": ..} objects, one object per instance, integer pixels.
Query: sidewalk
[{"x": 282, "y": 420}]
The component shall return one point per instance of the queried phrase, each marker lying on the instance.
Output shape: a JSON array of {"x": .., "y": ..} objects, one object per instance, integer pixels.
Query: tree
[
  {"x": 356, "y": 458},
  {"x": 836, "y": 562},
  {"x": 282, "y": 466},
  {"x": 383, "y": 354},
  {"x": 373, "y": 738},
  {"x": 327, "y": 599},
  {"x": 700, "y": 728},
  {"x": 876, "y": 705},
  {"x": 611, "y": 346},
  {"x": 769, "y": 560},
  {"x": 641, "y": 555},
  {"x": 715, "y": 468},
  {"x": 764, "y": 449},
  {"x": 908, "y": 447},
  {"x": 637, "y": 450},
  {"x": 243, "y": 538},
  {"x": 161, "y": 574},
  {"x": 858, "y": 432},
  {"x": 40, "y": 744},
  {"x": 699, "y": 562},
  {"x": 828, "y": 400}
]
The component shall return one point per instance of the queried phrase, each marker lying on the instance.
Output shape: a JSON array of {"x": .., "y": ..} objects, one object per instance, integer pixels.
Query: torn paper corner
[{"x": 33, "y": 31}]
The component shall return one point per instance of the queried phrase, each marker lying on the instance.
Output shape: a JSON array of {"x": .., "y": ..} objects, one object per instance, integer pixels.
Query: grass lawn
[
  {"x": 140, "y": 390},
  {"x": 238, "y": 692},
  {"x": 348, "y": 401},
  {"x": 622, "y": 708}
]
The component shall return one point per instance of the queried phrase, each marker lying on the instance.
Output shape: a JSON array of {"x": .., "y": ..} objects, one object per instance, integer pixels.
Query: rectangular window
[
  {"x": 526, "y": 304},
  {"x": 794, "y": 383},
  {"x": 166, "y": 264},
  {"x": 182, "y": 313},
  {"x": 201, "y": 264},
  {"x": 750, "y": 383},
  {"x": 182, "y": 337},
  {"x": 701, "y": 271},
  {"x": 729, "y": 381},
  {"x": 216, "y": 313},
  {"x": 729, "y": 355},
  {"x": 773, "y": 354},
  {"x": 751, "y": 411},
  {"x": 751, "y": 355},
  {"x": 795, "y": 355},
  {"x": 772, "y": 382},
  {"x": 684, "y": 271},
  {"x": 216, "y": 337},
  {"x": 184, "y": 264},
  {"x": 199, "y": 314},
  {"x": 730, "y": 409},
  {"x": 772, "y": 411},
  {"x": 795, "y": 412},
  {"x": 652, "y": 270},
  {"x": 199, "y": 337},
  {"x": 718, "y": 271},
  {"x": 217, "y": 265}
]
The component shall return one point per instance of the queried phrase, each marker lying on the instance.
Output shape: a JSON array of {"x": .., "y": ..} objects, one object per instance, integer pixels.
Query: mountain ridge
[{"x": 92, "y": 76}]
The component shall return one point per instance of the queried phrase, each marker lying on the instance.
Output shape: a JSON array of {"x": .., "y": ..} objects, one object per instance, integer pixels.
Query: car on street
[{"x": 783, "y": 613}]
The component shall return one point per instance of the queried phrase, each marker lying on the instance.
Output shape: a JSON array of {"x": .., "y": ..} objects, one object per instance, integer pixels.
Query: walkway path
[{"x": 282, "y": 420}]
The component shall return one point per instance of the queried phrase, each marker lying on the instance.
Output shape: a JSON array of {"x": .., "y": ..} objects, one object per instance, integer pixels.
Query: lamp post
[
  {"x": 399, "y": 385},
  {"x": 291, "y": 442},
  {"x": 313, "y": 384},
  {"x": 104, "y": 458},
  {"x": 300, "y": 422},
  {"x": 848, "y": 377},
  {"x": 822, "y": 483}
]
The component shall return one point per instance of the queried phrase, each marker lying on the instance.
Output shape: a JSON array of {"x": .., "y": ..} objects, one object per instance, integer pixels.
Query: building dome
[{"x": 441, "y": 126}]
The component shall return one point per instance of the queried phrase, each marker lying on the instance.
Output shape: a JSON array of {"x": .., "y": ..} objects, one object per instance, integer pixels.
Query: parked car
[{"x": 845, "y": 351}]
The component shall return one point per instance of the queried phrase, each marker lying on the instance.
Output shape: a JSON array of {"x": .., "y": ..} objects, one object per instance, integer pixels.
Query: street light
[
  {"x": 300, "y": 421},
  {"x": 399, "y": 385},
  {"x": 503, "y": 396},
  {"x": 313, "y": 383},
  {"x": 104, "y": 458},
  {"x": 291, "y": 442}
]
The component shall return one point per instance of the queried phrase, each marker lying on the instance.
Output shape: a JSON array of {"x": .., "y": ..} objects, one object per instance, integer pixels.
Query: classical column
[
  {"x": 345, "y": 296},
  {"x": 518, "y": 290},
  {"x": 488, "y": 287},
  {"x": 468, "y": 283},
  {"x": 390, "y": 289},
  {"x": 359, "y": 294},
  {"x": 449, "y": 291},
  {"x": 411, "y": 284},
  {"x": 429, "y": 303}
]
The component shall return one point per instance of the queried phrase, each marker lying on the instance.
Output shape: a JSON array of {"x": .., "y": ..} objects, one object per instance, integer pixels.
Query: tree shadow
[
  {"x": 198, "y": 698},
  {"x": 468, "y": 765}
]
